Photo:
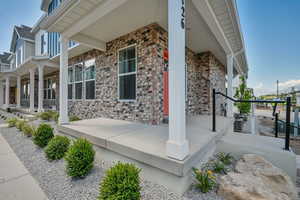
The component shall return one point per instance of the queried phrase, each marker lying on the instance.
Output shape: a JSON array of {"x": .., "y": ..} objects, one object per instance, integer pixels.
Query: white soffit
[{"x": 227, "y": 16}]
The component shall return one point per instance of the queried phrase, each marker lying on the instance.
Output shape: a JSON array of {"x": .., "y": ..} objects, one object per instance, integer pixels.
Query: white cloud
[
  {"x": 260, "y": 89},
  {"x": 287, "y": 85}
]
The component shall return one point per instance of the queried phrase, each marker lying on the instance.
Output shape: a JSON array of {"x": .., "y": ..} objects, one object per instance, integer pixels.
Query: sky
[
  {"x": 16, "y": 12},
  {"x": 271, "y": 30}
]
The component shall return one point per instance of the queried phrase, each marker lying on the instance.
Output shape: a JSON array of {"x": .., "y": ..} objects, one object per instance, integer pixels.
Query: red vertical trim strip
[{"x": 166, "y": 93}]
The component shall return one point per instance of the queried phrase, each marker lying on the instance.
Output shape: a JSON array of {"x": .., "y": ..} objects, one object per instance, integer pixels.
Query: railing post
[
  {"x": 288, "y": 123},
  {"x": 214, "y": 110},
  {"x": 276, "y": 125}
]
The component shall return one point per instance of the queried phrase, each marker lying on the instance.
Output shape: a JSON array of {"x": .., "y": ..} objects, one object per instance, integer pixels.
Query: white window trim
[
  {"x": 71, "y": 83},
  {"x": 82, "y": 81},
  {"x": 93, "y": 61},
  {"x": 129, "y": 73},
  {"x": 51, "y": 92}
]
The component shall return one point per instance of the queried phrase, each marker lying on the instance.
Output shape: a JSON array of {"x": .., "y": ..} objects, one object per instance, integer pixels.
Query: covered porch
[
  {"x": 199, "y": 25},
  {"x": 23, "y": 88}
]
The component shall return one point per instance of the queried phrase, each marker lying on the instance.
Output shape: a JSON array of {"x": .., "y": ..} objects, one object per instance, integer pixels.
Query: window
[
  {"x": 42, "y": 44},
  {"x": 90, "y": 79},
  {"x": 78, "y": 81},
  {"x": 127, "y": 73},
  {"x": 70, "y": 82},
  {"x": 49, "y": 89},
  {"x": 25, "y": 91},
  {"x": 81, "y": 80},
  {"x": 53, "y": 5}
]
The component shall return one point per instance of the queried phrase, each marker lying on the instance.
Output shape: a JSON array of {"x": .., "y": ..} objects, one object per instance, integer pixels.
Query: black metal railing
[{"x": 288, "y": 113}]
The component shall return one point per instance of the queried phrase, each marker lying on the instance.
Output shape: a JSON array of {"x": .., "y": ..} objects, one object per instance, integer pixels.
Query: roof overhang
[
  {"x": 223, "y": 19},
  {"x": 45, "y": 5},
  {"x": 75, "y": 19}
]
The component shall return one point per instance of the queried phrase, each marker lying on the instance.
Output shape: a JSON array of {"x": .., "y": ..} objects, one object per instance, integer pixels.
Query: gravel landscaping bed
[{"x": 53, "y": 179}]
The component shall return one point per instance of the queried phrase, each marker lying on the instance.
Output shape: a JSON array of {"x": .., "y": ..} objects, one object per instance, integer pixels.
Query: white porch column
[
  {"x": 229, "y": 85},
  {"x": 298, "y": 98},
  {"x": 31, "y": 98},
  {"x": 41, "y": 89},
  {"x": 18, "y": 91},
  {"x": 177, "y": 145},
  {"x": 63, "y": 81},
  {"x": 7, "y": 87},
  {"x": 1, "y": 93}
]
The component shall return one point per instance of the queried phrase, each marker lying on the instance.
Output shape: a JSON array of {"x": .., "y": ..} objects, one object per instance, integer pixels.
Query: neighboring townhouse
[{"x": 5, "y": 66}]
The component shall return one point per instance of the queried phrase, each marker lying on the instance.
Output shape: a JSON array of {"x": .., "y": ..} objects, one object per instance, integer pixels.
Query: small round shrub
[
  {"x": 57, "y": 147},
  {"x": 20, "y": 124},
  {"x": 121, "y": 182},
  {"x": 80, "y": 158},
  {"x": 43, "y": 135},
  {"x": 45, "y": 116},
  {"x": 28, "y": 130},
  {"x": 55, "y": 116},
  {"x": 11, "y": 122},
  {"x": 74, "y": 118}
]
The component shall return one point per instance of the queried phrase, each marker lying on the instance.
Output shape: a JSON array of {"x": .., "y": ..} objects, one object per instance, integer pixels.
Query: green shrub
[
  {"x": 74, "y": 118},
  {"x": 45, "y": 116},
  {"x": 219, "y": 167},
  {"x": 121, "y": 182},
  {"x": 225, "y": 158},
  {"x": 57, "y": 147},
  {"x": 28, "y": 130},
  {"x": 205, "y": 180},
  {"x": 80, "y": 158},
  {"x": 11, "y": 122},
  {"x": 55, "y": 116},
  {"x": 20, "y": 124},
  {"x": 43, "y": 135}
]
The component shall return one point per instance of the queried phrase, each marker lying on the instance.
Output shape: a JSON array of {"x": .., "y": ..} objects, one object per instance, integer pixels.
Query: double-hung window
[
  {"x": 42, "y": 44},
  {"x": 25, "y": 91},
  {"x": 90, "y": 79},
  {"x": 78, "y": 80},
  {"x": 49, "y": 89},
  {"x": 70, "y": 82},
  {"x": 127, "y": 73}
]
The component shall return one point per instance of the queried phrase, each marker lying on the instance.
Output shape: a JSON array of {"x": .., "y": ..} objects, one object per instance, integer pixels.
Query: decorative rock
[{"x": 256, "y": 179}]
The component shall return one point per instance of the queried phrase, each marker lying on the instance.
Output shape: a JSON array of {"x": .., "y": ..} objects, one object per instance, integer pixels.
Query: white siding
[{"x": 28, "y": 50}]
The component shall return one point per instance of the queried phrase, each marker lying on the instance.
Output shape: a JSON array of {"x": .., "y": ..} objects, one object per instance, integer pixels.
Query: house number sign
[{"x": 183, "y": 14}]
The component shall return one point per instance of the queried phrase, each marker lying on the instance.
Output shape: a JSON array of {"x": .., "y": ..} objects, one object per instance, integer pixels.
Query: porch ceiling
[{"x": 95, "y": 22}]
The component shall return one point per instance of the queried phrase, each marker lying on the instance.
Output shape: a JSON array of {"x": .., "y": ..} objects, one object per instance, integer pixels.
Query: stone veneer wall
[
  {"x": 148, "y": 105},
  {"x": 217, "y": 77},
  {"x": 204, "y": 71}
]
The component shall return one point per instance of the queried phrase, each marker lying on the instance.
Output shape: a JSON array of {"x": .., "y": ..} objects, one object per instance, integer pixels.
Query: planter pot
[{"x": 238, "y": 125}]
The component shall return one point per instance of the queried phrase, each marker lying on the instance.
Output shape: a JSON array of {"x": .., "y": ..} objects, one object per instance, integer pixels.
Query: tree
[{"x": 243, "y": 93}]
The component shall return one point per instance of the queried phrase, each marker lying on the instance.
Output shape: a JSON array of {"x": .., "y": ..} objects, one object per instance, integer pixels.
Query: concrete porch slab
[{"x": 147, "y": 143}]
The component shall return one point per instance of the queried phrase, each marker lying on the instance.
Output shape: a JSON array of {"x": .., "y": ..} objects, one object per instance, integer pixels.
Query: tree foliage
[{"x": 243, "y": 93}]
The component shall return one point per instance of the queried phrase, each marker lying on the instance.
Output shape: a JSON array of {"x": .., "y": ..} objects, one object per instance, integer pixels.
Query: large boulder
[{"x": 256, "y": 179}]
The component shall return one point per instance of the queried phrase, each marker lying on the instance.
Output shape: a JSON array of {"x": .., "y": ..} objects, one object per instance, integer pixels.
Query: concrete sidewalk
[{"x": 16, "y": 183}]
